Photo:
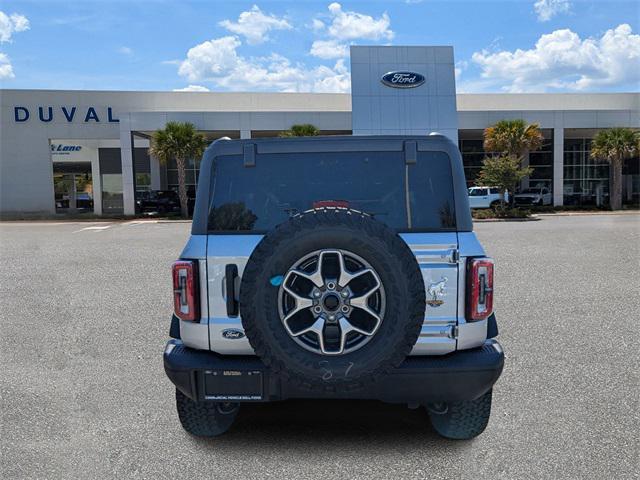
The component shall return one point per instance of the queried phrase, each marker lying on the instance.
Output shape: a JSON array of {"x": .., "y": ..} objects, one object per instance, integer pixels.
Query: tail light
[
  {"x": 331, "y": 204},
  {"x": 479, "y": 288},
  {"x": 185, "y": 290}
]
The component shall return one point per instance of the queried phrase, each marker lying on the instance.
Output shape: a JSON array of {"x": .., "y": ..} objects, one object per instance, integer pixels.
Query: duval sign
[
  {"x": 402, "y": 79},
  {"x": 68, "y": 114}
]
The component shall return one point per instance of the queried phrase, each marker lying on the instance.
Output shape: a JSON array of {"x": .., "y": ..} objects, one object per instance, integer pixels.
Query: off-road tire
[
  {"x": 360, "y": 234},
  {"x": 461, "y": 420},
  {"x": 204, "y": 419}
]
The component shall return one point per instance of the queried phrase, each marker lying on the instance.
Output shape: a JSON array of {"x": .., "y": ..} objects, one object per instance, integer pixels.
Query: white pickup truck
[{"x": 485, "y": 197}]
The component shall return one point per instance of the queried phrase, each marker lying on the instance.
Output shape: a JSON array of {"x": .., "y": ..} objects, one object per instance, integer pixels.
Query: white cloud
[
  {"x": 547, "y": 9},
  {"x": 347, "y": 25},
  {"x": 254, "y": 25},
  {"x": 192, "y": 88},
  {"x": 562, "y": 60},
  {"x": 6, "y": 70},
  {"x": 329, "y": 49},
  {"x": 217, "y": 61},
  {"x": 317, "y": 25},
  {"x": 460, "y": 66},
  {"x": 332, "y": 80},
  {"x": 125, "y": 51},
  {"x": 10, "y": 24},
  {"x": 211, "y": 58}
]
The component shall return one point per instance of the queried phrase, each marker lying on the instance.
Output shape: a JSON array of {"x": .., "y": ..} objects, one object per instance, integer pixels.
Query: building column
[
  {"x": 126, "y": 159},
  {"x": 558, "y": 166},
  {"x": 245, "y": 134},
  {"x": 96, "y": 183}
]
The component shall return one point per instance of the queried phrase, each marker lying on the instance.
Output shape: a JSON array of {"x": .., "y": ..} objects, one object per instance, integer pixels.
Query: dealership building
[{"x": 70, "y": 151}]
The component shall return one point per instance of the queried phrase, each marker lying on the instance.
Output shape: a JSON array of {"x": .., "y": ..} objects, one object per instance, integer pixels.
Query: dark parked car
[
  {"x": 158, "y": 201},
  {"x": 84, "y": 201}
]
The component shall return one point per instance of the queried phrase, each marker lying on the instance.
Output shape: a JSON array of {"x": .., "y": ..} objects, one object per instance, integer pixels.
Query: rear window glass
[
  {"x": 282, "y": 185},
  {"x": 431, "y": 192}
]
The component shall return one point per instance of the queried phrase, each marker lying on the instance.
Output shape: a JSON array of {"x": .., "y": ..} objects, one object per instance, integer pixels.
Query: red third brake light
[
  {"x": 479, "y": 288},
  {"x": 185, "y": 290},
  {"x": 331, "y": 204}
]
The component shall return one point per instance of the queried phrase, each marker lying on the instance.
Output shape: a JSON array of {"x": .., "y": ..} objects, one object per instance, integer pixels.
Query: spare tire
[{"x": 332, "y": 299}]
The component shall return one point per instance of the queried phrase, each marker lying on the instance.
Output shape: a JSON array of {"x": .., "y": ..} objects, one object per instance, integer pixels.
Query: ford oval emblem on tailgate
[
  {"x": 402, "y": 79},
  {"x": 232, "y": 334}
]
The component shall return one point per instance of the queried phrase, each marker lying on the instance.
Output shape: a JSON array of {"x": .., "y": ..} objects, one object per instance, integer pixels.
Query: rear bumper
[{"x": 463, "y": 375}]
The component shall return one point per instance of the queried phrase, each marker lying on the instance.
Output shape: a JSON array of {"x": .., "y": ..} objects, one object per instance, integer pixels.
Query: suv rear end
[{"x": 335, "y": 267}]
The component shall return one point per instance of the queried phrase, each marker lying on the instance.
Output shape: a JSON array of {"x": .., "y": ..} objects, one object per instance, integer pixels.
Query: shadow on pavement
[{"x": 329, "y": 425}]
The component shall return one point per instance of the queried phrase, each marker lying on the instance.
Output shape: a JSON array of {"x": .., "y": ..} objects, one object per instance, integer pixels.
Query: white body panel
[{"x": 441, "y": 256}]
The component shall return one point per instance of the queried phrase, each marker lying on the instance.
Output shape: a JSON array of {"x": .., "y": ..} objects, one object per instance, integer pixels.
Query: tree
[
  {"x": 303, "y": 130},
  {"x": 513, "y": 138},
  {"x": 504, "y": 172},
  {"x": 179, "y": 141},
  {"x": 615, "y": 145}
]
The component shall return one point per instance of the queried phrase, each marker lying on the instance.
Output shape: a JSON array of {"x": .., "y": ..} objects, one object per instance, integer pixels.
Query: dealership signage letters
[
  {"x": 402, "y": 79},
  {"x": 60, "y": 149},
  {"x": 46, "y": 114}
]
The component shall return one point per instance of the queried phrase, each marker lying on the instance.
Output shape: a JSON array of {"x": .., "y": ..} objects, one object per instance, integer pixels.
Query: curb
[
  {"x": 495, "y": 220},
  {"x": 576, "y": 214}
]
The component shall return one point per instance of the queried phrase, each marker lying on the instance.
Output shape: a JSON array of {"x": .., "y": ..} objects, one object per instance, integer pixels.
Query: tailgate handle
[{"x": 230, "y": 280}]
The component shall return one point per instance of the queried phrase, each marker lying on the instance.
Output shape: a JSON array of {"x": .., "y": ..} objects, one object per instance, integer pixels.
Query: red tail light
[
  {"x": 479, "y": 288},
  {"x": 331, "y": 204},
  {"x": 185, "y": 290}
]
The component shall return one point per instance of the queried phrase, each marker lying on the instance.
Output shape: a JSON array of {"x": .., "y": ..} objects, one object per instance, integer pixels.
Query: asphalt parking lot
[{"x": 85, "y": 315}]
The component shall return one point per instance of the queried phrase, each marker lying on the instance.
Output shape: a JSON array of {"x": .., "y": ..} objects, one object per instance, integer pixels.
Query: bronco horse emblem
[{"x": 436, "y": 291}]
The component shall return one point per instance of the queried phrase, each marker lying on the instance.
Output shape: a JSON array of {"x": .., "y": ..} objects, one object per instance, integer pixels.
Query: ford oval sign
[
  {"x": 402, "y": 79},
  {"x": 232, "y": 334}
]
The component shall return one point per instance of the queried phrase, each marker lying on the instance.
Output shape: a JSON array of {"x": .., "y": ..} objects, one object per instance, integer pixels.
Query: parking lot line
[{"x": 95, "y": 228}]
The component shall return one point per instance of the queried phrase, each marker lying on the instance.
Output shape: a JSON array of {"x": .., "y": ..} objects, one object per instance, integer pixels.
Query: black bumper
[{"x": 463, "y": 375}]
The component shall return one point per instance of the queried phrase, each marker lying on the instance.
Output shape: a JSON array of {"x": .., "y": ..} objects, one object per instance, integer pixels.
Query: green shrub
[{"x": 501, "y": 213}]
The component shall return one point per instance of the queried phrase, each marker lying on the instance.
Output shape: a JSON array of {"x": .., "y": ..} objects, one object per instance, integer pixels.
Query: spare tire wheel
[{"x": 332, "y": 299}]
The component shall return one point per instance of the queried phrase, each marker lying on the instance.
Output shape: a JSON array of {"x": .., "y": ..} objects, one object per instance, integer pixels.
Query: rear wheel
[
  {"x": 205, "y": 419},
  {"x": 461, "y": 420},
  {"x": 495, "y": 204}
]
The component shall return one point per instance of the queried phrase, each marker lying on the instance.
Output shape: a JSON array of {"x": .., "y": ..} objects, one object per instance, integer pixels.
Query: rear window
[{"x": 406, "y": 197}]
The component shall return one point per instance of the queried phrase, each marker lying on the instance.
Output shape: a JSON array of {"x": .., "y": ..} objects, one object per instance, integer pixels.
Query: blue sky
[{"x": 506, "y": 46}]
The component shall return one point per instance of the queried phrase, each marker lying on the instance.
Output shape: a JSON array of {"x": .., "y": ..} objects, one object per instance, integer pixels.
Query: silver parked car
[
  {"x": 534, "y": 196},
  {"x": 333, "y": 267}
]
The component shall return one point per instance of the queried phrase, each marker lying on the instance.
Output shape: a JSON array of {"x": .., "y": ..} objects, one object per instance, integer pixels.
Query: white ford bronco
[{"x": 333, "y": 268}]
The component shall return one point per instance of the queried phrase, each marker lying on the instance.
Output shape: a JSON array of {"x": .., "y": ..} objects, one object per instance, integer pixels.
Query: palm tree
[
  {"x": 179, "y": 141},
  {"x": 513, "y": 137},
  {"x": 303, "y": 130},
  {"x": 615, "y": 145}
]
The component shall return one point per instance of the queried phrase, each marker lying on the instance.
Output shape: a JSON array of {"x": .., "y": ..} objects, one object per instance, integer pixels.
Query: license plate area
[{"x": 233, "y": 385}]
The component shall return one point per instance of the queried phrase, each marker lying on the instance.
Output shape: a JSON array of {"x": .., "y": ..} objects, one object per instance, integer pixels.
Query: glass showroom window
[
  {"x": 586, "y": 181},
  {"x": 142, "y": 169},
  {"x": 472, "y": 156},
  {"x": 192, "y": 169},
  {"x": 542, "y": 163}
]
